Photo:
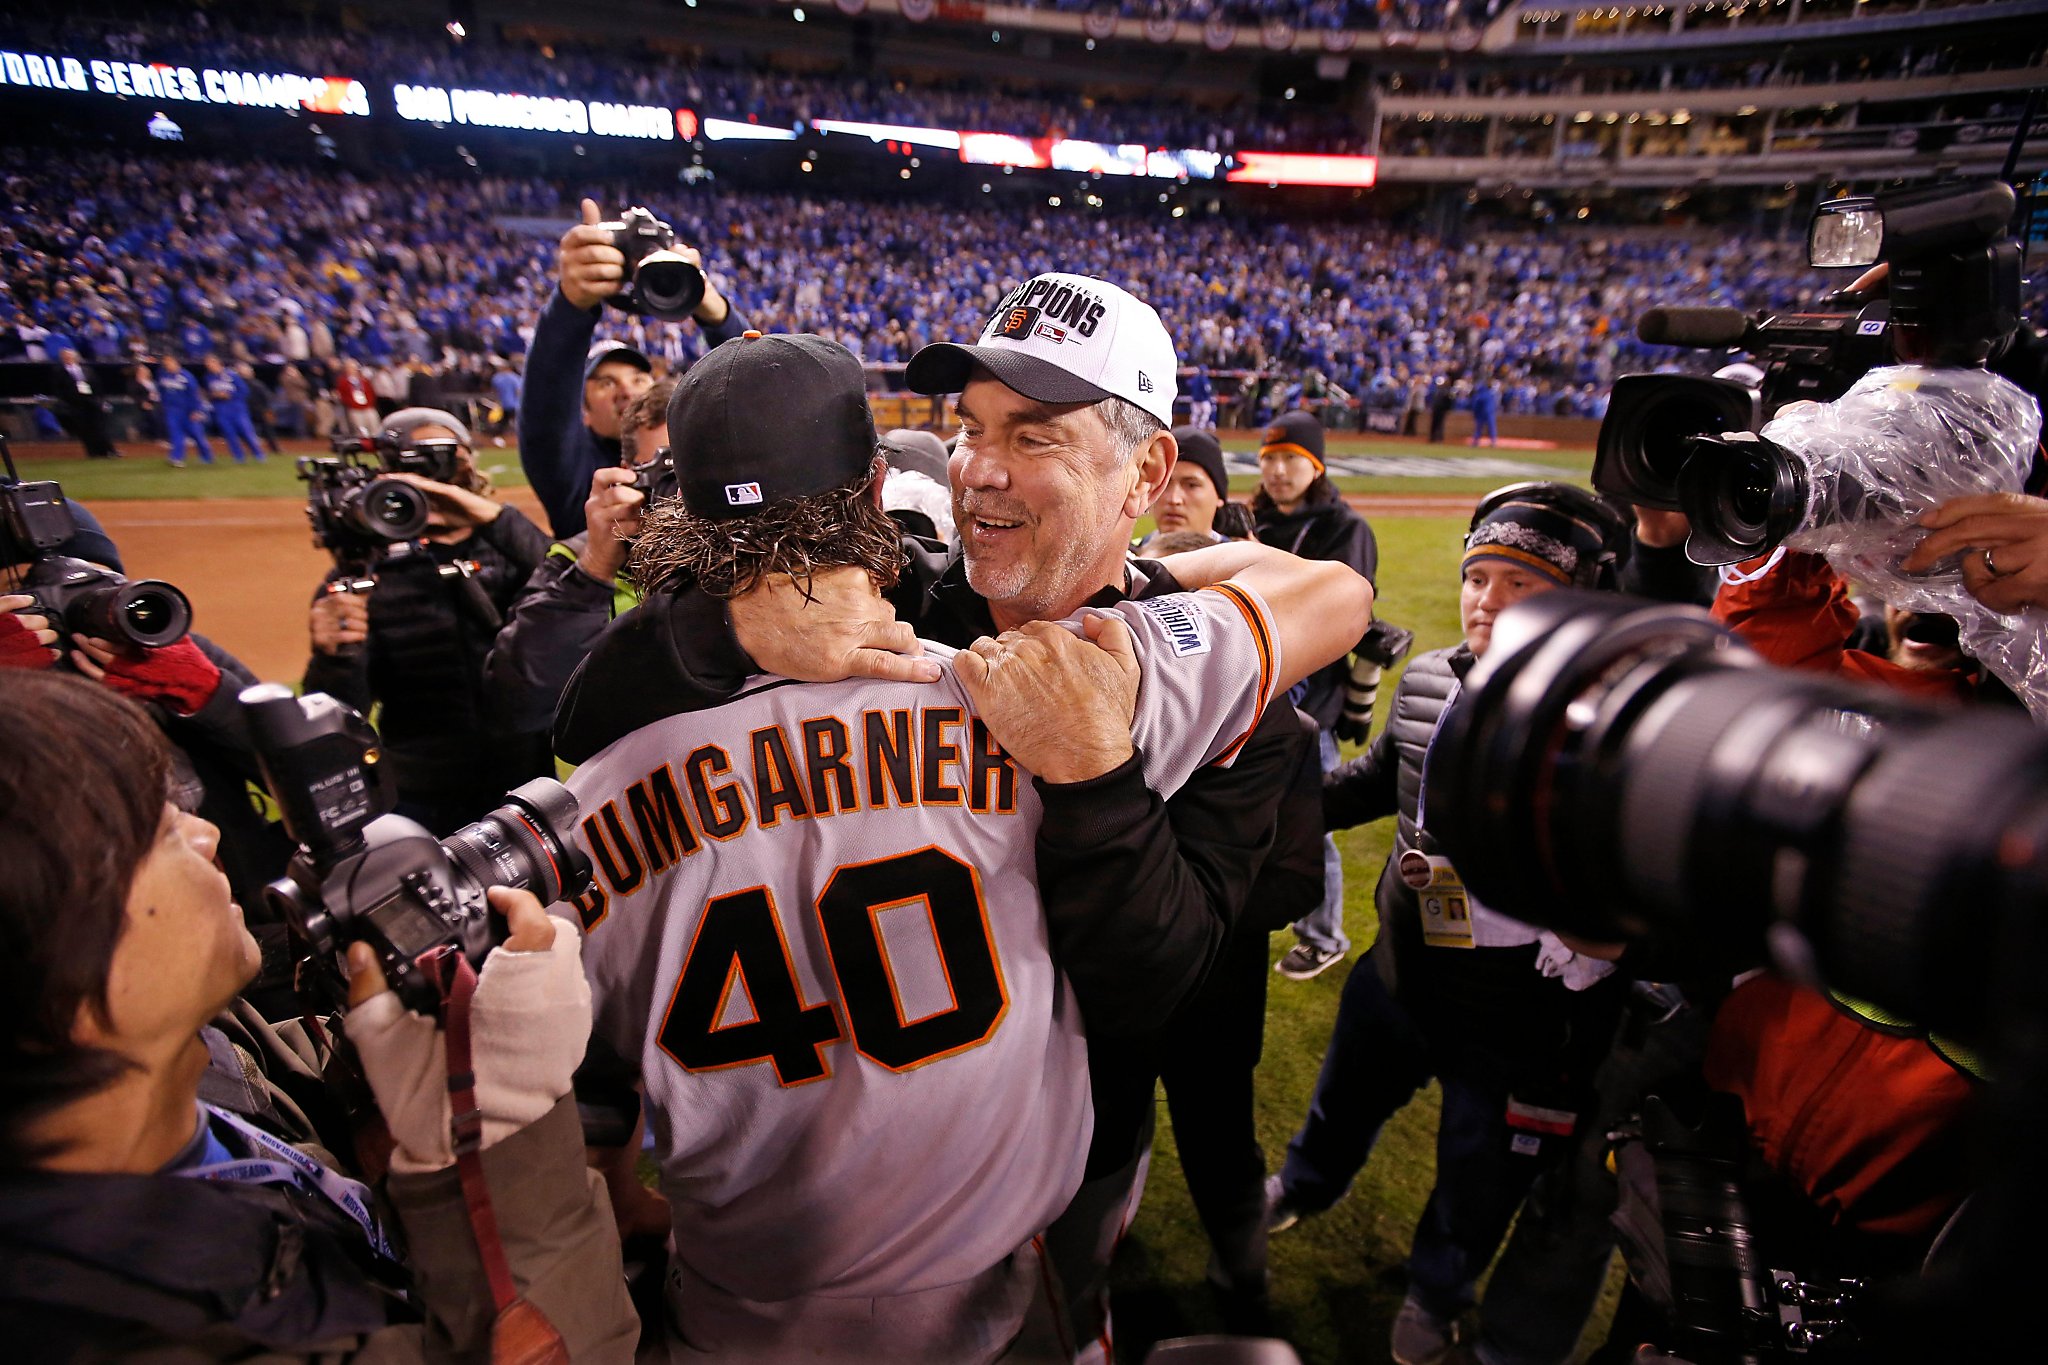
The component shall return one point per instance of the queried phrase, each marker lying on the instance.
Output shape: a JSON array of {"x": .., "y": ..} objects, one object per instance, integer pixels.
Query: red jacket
[
  {"x": 1868, "y": 1124},
  {"x": 1798, "y": 615}
]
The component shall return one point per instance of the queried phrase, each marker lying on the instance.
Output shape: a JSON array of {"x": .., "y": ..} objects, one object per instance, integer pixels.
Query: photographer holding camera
[
  {"x": 66, "y": 606},
  {"x": 164, "y": 1189},
  {"x": 567, "y": 433},
  {"x": 579, "y": 588},
  {"x": 417, "y": 639}
]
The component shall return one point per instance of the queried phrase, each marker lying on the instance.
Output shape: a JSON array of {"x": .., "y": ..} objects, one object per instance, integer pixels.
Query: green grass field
[
  {"x": 1336, "y": 1278},
  {"x": 145, "y": 473}
]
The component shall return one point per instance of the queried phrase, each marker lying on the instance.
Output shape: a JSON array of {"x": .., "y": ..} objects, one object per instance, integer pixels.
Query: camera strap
[{"x": 521, "y": 1333}]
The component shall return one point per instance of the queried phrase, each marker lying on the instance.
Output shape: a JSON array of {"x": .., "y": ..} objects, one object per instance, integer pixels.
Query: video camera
[
  {"x": 355, "y": 510},
  {"x": 364, "y": 874},
  {"x": 1691, "y": 444},
  {"x": 77, "y": 596},
  {"x": 660, "y": 281}
]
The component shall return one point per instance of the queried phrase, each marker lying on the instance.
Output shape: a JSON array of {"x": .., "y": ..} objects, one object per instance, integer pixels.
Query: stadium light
[
  {"x": 944, "y": 138},
  {"x": 729, "y": 130}
]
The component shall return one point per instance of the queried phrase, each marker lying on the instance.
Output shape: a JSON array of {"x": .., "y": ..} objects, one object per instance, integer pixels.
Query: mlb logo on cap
[
  {"x": 1063, "y": 339},
  {"x": 740, "y": 494}
]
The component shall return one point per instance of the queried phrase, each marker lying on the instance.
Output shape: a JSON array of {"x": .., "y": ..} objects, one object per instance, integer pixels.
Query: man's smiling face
[{"x": 1040, "y": 494}]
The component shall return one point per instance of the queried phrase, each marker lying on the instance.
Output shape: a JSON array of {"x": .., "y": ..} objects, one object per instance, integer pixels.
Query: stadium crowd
[
  {"x": 171, "y": 1124},
  {"x": 703, "y": 82},
  {"x": 258, "y": 262}
]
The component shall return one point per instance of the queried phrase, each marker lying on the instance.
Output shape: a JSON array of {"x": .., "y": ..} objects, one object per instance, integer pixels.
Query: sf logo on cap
[
  {"x": 1017, "y": 323},
  {"x": 741, "y": 494}
]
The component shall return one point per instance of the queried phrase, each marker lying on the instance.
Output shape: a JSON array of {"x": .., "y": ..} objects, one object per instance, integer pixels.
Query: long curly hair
[{"x": 843, "y": 527}]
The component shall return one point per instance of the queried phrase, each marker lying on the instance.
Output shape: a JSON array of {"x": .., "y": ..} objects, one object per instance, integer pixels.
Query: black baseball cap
[
  {"x": 762, "y": 419},
  {"x": 911, "y": 449}
]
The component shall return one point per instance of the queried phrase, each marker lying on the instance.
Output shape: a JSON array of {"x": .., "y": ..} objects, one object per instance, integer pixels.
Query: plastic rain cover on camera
[{"x": 1902, "y": 440}]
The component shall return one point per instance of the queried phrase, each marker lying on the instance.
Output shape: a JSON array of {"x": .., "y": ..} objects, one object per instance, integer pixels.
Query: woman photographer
[
  {"x": 416, "y": 642},
  {"x": 160, "y": 1196}
]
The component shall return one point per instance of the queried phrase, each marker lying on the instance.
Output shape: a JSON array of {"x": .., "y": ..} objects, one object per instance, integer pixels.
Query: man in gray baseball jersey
[{"x": 816, "y": 926}]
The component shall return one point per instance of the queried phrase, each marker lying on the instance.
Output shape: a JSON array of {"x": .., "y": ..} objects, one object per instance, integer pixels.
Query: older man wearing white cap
[{"x": 1064, "y": 404}]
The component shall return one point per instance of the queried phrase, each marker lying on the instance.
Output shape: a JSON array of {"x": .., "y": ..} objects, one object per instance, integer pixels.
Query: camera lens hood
[
  {"x": 392, "y": 509},
  {"x": 667, "y": 286},
  {"x": 149, "y": 612}
]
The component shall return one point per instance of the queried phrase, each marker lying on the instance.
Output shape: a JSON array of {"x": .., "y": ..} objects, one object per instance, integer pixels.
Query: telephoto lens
[{"x": 1629, "y": 772}]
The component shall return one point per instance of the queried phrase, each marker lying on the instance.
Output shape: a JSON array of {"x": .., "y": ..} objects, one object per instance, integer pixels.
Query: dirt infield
[{"x": 249, "y": 565}]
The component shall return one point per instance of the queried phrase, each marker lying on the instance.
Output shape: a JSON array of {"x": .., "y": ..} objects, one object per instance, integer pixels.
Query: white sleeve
[{"x": 1208, "y": 661}]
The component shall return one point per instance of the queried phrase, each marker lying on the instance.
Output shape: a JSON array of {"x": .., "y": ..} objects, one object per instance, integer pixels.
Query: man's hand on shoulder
[
  {"x": 1059, "y": 704},
  {"x": 843, "y": 629}
]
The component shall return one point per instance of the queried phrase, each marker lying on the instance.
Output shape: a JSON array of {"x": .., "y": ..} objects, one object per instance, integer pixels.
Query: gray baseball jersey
[{"x": 816, "y": 929}]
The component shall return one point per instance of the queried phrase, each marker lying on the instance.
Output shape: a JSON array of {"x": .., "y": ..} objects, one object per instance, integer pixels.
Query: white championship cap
[{"x": 1063, "y": 339}]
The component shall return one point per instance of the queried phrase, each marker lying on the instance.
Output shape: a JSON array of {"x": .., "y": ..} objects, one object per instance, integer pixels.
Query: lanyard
[{"x": 271, "y": 1162}]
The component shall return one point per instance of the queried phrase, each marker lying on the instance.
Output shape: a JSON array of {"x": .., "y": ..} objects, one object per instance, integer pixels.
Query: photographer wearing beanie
[
  {"x": 164, "y": 1190},
  {"x": 416, "y": 642},
  {"x": 1196, "y": 495},
  {"x": 1507, "y": 1018}
]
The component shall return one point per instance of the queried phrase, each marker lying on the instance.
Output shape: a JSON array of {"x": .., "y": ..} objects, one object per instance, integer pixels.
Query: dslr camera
[
  {"x": 1690, "y": 444},
  {"x": 363, "y": 874},
  {"x": 77, "y": 596},
  {"x": 660, "y": 282}
]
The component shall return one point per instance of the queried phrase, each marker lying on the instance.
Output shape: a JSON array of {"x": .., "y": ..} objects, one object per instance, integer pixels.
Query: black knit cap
[
  {"x": 1199, "y": 448},
  {"x": 1297, "y": 433},
  {"x": 762, "y": 419},
  {"x": 1539, "y": 535}
]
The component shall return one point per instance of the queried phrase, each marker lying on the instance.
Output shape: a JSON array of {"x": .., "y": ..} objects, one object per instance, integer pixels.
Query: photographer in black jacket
[
  {"x": 1511, "y": 1021},
  {"x": 416, "y": 642},
  {"x": 578, "y": 589},
  {"x": 575, "y": 392}
]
